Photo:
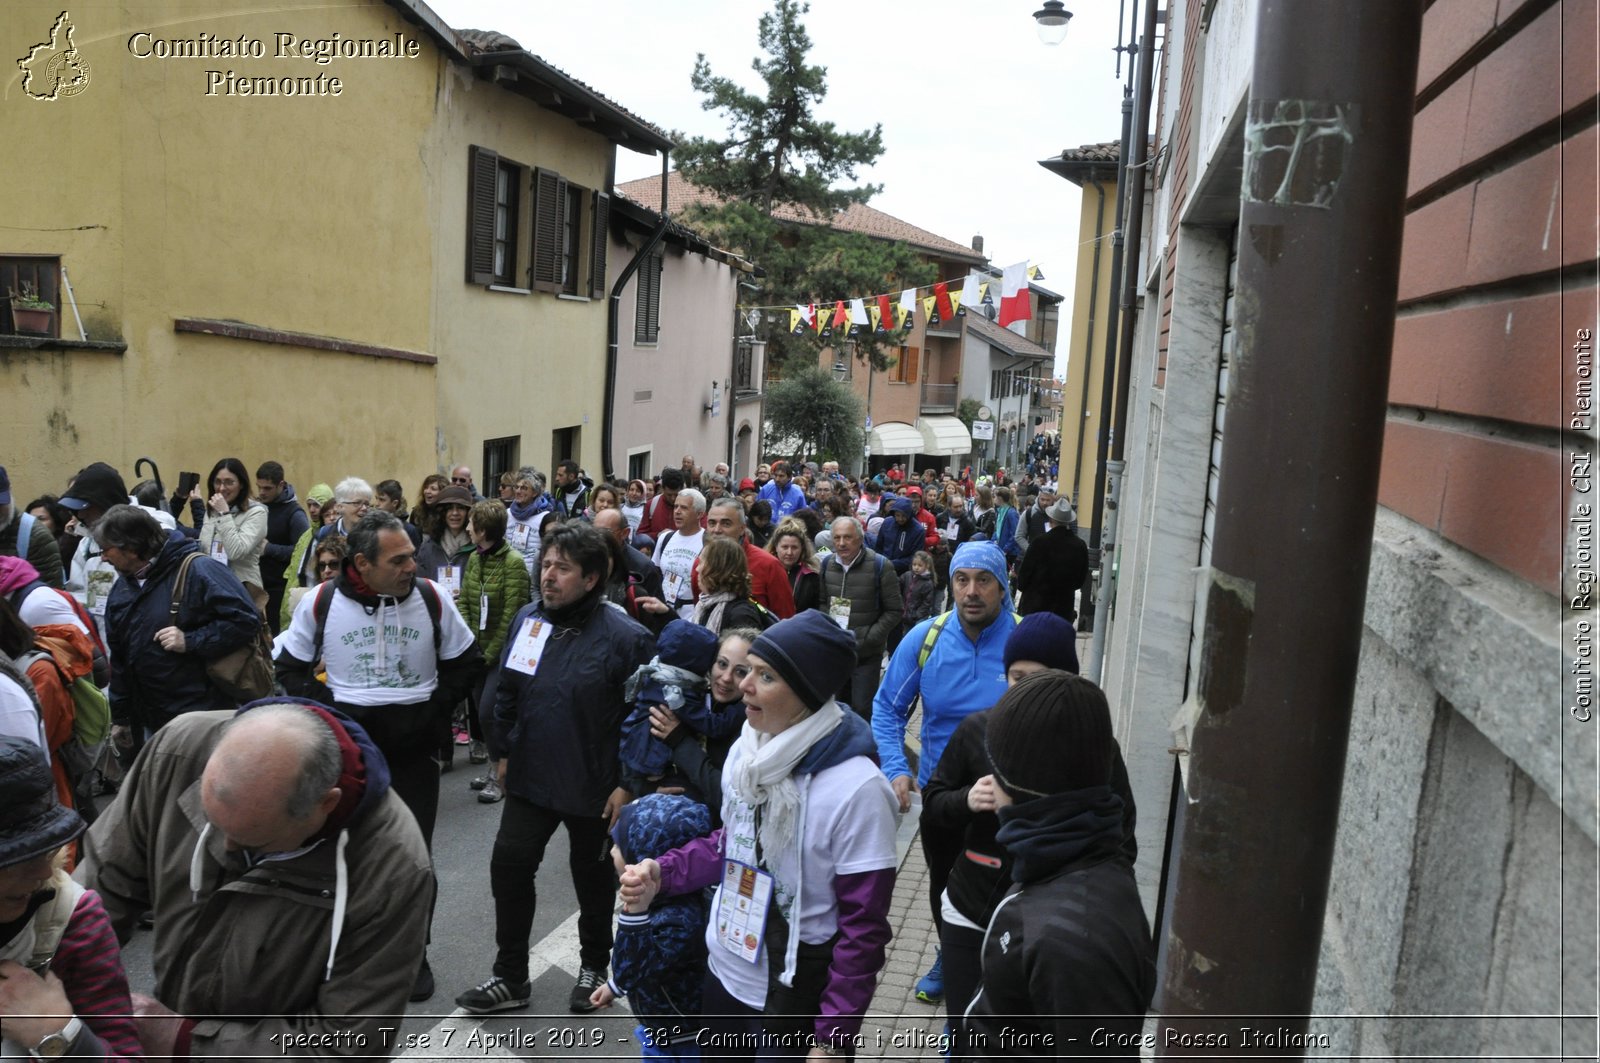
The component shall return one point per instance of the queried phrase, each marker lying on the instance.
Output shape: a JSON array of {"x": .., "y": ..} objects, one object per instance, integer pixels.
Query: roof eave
[{"x": 552, "y": 89}]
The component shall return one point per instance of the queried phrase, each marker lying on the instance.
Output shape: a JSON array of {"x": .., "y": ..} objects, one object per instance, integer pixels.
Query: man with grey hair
[
  {"x": 769, "y": 582},
  {"x": 397, "y": 655},
  {"x": 158, "y": 661},
  {"x": 290, "y": 885},
  {"x": 861, "y": 591},
  {"x": 677, "y": 550}
]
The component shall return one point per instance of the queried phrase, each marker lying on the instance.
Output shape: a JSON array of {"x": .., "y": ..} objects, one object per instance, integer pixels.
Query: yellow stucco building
[
  {"x": 346, "y": 237},
  {"x": 1093, "y": 168}
]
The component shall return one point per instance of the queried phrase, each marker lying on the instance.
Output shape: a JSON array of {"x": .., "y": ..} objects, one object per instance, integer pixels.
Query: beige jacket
[
  {"x": 243, "y": 535},
  {"x": 246, "y": 951}
]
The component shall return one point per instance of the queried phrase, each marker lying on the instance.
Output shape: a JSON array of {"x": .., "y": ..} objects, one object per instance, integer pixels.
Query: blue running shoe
[{"x": 930, "y": 990}]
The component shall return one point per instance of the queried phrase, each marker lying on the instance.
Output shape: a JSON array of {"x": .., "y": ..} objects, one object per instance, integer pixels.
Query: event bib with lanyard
[
  {"x": 528, "y": 646},
  {"x": 746, "y": 893}
]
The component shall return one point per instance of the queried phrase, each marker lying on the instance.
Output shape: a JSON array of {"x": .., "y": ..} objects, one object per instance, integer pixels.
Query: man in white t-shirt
[
  {"x": 677, "y": 550},
  {"x": 398, "y": 658}
]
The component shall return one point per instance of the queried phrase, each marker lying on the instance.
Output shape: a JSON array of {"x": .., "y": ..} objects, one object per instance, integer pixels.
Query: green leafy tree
[
  {"x": 967, "y": 411},
  {"x": 814, "y": 416},
  {"x": 777, "y": 180}
]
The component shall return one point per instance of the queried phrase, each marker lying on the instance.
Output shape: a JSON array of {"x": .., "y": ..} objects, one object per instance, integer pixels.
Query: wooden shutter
[
  {"x": 647, "y": 300},
  {"x": 597, "y": 251},
  {"x": 549, "y": 206},
  {"x": 482, "y": 166},
  {"x": 912, "y": 369}
]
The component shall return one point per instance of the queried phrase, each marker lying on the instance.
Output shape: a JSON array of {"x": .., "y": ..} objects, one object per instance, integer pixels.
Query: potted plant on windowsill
[{"x": 30, "y": 313}]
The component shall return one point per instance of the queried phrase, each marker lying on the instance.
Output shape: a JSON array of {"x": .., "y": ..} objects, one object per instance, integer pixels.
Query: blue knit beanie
[
  {"x": 1046, "y": 638},
  {"x": 811, "y": 652},
  {"x": 984, "y": 555}
]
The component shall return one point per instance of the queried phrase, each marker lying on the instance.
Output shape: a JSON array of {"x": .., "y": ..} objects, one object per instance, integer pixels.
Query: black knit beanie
[
  {"x": 1043, "y": 637},
  {"x": 811, "y": 652},
  {"x": 1050, "y": 733}
]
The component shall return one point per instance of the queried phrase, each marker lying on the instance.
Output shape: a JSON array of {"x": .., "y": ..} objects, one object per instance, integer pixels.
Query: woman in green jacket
[{"x": 495, "y": 585}]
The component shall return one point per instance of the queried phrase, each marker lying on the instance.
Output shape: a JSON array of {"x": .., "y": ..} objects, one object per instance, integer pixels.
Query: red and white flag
[{"x": 1015, "y": 304}]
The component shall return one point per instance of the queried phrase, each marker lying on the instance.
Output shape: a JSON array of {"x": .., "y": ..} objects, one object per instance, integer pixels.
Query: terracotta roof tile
[{"x": 858, "y": 217}]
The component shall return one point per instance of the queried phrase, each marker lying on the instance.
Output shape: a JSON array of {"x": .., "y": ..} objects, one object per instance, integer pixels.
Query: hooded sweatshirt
[{"x": 325, "y": 940}]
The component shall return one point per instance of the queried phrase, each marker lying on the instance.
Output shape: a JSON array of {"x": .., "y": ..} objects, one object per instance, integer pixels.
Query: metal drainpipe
[
  {"x": 1327, "y": 136},
  {"x": 1086, "y": 617},
  {"x": 613, "y": 317},
  {"x": 1134, "y": 185},
  {"x": 1088, "y": 338}
]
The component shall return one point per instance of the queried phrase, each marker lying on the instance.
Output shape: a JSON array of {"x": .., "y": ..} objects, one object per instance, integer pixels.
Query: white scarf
[
  {"x": 708, "y": 610},
  {"x": 764, "y": 772}
]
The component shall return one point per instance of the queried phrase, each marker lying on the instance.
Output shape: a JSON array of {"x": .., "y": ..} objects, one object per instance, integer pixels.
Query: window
[
  {"x": 906, "y": 369},
  {"x": 647, "y": 300},
  {"x": 639, "y": 466},
  {"x": 39, "y": 274},
  {"x": 564, "y": 215},
  {"x": 494, "y": 189},
  {"x": 563, "y": 446},
  {"x": 744, "y": 372},
  {"x": 499, "y": 456}
]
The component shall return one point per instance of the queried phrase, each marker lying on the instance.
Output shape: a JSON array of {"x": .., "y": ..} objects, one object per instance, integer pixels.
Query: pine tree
[{"x": 778, "y": 164}]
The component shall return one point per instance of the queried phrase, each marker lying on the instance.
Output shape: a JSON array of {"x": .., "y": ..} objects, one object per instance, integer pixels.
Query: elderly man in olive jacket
[{"x": 861, "y": 591}]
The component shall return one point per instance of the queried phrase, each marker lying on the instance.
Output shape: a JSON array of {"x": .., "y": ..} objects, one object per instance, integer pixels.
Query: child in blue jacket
[{"x": 659, "y": 958}]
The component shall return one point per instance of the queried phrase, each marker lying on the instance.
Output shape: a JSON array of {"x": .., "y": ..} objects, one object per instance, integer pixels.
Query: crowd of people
[{"x": 227, "y": 711}]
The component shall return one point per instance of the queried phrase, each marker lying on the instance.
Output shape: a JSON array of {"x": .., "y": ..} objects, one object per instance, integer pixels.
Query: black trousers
[
  {"x": 525, "y": 831},
  {"x": 860, "y": 687},
  {"x": 940, "y": 849}
]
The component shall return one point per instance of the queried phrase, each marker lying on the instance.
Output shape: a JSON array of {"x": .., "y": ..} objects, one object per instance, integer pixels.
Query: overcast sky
[{"x": 970, "y": 101}]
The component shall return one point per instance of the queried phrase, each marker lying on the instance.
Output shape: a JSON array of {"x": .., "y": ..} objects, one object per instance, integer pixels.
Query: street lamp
[{"x": 1051, "y": 22}]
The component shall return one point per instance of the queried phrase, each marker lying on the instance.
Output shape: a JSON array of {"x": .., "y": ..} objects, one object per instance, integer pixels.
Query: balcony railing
[{"x": 939, "y": 397}]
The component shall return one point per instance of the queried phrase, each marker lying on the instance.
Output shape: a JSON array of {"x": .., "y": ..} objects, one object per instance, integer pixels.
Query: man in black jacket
[
  {"x": 158, "y": 662},
  {"x": 637, "y": 572},
  {"x": 558, "y": 715},
  {"x": 1055, "y": 566},
  {"x": 286, "y": 522}
]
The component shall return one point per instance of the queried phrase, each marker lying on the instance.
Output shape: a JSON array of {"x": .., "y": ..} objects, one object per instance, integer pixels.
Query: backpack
[
  {"x": 764, "y": 616},
  {"x": 986, "y": 523},
  {"x": 91, "y": 723},
  {"x": 101, "y": 661}
]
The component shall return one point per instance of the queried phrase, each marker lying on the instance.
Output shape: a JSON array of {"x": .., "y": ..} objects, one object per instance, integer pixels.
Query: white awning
[
  {"x": 945, "y": 435},
  {"x": 894, "y": 437}
]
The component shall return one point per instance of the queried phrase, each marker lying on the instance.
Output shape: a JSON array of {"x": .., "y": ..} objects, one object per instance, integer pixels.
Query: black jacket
[
  {"x": 1052, "y": 569},
  {"x": 560, "y": 728},
  {"x": 1067, "y": 952},
  {"x": 286, "y": 522},
  {"x": 149, "y": 685},
  {"x": 640, "y": 575}
]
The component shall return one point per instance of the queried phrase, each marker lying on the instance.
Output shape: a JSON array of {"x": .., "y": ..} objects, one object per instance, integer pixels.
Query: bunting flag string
[{"x": 884, "y": 313}]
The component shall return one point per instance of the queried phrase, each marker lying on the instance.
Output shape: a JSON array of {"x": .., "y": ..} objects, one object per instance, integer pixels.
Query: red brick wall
[
  {"x": 1496, "y": 271},
  {"x": 1179, "y": 172}
]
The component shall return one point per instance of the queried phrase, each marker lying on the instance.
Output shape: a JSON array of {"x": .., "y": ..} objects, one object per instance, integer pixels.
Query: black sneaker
[
  {"x": 589, "y": 980},
  {"x": 422, "y": 988},
  {"x": 496, "y": 994}
]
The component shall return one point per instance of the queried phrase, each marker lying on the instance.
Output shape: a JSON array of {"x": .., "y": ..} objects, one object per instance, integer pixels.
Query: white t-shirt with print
[
  {"x": 398, "y": 668},
  {"x": 675, "y": 556},
  {"x": 851, "y": 814}
]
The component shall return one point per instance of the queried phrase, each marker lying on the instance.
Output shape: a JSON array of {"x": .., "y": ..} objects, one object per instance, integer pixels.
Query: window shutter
[
  {"x": 549, "y": 205},
  {"x": 597, "y": 253},
  {"x": 482, "y": 166},
  {"x": 647, "y": 301},
  {"x": 912, "y": 370}
]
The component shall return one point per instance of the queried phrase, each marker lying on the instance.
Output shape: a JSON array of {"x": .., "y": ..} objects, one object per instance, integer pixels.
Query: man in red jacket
[
  {"x": 769, "y": 583},
  {"x": 658, "y": 511},
  {"x": 930, "y": 527}
]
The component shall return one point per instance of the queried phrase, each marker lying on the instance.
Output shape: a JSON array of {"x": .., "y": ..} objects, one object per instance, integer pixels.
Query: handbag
[{"x": 244, "y": 674}]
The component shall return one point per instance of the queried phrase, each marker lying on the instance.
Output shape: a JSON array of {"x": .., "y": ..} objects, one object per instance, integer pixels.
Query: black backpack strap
[
  {"x": 430, "y": 598},
  {"x": 320, "y": 604},
  {"x": 20, "y": 595}
]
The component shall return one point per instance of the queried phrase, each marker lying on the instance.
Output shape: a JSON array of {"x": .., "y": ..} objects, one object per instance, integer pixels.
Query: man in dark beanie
[{"x": 1068, "y": 951}]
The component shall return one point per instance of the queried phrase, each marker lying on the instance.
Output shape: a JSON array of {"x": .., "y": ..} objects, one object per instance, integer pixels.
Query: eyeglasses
[
  {"x": 323, "y": 566},
  {"x": 361, "y": 502},
  {"x": 463, "y": 480}
]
